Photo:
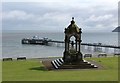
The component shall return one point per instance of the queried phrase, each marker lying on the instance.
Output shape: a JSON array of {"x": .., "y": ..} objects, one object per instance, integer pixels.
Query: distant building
[{"x": 117, "y": 29}]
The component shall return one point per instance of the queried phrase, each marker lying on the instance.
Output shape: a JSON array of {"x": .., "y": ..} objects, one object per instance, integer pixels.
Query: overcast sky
[{"x": 55, "y": 15}]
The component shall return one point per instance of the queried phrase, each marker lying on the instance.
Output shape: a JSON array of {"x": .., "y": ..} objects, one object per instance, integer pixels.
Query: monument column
[
  {"x": 68, "y": 44},
  {"x": 76, "y": 44},
  {"x": 79, "y": 45}
]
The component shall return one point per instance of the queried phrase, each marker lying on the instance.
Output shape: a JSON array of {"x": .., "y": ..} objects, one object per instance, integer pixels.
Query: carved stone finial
[
  {"x": 72, "y": 22},
  {"x": 72, "y": 18}
]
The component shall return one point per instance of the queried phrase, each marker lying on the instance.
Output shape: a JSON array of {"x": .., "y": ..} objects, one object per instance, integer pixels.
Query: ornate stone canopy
[
  {"x": 72, "y": 28},
  {"x": 72, "y": 47}
]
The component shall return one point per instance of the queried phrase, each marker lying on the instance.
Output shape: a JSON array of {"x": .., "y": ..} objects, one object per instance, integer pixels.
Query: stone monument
[
  {"x": 72, "y": 56},
  {"x": 72, "y": 47}
]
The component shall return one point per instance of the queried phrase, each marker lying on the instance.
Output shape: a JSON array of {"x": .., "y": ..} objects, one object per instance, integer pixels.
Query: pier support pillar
[
  {"x": 106, "y": 50},
  {"x": 89, "y": 49}
]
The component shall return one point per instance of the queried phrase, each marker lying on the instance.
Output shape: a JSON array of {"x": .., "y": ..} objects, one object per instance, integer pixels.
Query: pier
[
  {"x": 47, "y": 41},
  {"x": 96, "y": 47},
  {"x": 90, "y": 44}
]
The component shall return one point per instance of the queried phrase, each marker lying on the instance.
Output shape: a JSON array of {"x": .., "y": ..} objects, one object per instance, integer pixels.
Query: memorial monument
[
  {"x": 72, "y": 56},
  {"x": 72, "y": 52}
]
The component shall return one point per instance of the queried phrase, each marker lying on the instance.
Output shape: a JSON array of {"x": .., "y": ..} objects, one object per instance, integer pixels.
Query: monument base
[
  {"x": 80, "y": 65},
  {"x": 58, "y": 64}
]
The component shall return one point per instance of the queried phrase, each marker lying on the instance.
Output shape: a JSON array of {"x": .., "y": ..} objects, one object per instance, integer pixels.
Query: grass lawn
[{"x": 33, "y": 70}]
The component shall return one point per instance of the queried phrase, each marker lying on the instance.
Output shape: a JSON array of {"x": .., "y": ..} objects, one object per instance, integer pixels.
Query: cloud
[
  {"x": 100, "y": 18},
  {"x": 90, "y": 15},
  {"x": 17, "y": 19},
  {"x": 17, "y": 15},
  {"x": 101, "y": 23}
]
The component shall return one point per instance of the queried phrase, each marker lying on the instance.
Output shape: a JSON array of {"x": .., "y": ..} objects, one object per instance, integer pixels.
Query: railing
[{"x": 90, "y": 44}]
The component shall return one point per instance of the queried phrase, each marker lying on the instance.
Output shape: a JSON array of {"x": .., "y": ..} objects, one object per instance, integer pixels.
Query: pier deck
[{"x": 46, "y": 41}]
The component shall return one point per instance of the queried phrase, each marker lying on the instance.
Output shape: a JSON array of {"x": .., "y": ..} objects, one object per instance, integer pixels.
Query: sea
[{"x": 12, "y": 47}]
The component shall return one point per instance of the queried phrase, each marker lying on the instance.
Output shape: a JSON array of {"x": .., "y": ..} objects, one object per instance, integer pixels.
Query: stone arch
[{"x": 72, "y": 41}]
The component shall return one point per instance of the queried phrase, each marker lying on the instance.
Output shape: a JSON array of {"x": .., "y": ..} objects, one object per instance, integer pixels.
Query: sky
[{"x": 55, "y": 15}]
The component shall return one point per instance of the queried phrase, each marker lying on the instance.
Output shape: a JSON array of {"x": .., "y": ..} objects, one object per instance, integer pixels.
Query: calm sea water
[{"x": 12, "y": 47}]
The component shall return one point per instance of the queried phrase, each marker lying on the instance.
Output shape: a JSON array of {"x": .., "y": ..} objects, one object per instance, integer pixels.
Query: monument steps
[
  {"x": 59, "y": 64},
  {"x": 67, "y": 67},
  {"x": 77, "y": 66},
  {"x": 54, "y": 65}
]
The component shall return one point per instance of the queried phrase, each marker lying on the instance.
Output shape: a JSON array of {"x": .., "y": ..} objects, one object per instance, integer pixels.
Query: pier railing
[
  {"x": 45, "y": 42},
  {"x": 91, "y": 44},
  {"x": 96, "y": 47}
]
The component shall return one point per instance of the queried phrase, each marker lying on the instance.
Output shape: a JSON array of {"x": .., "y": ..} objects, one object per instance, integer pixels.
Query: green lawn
[{"x": 33, "y": 70}]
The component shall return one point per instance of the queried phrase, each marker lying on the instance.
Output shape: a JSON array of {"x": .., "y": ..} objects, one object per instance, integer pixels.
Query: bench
[
  {"x": 102, "y": 54},
  {"x": 87, "y": 55},
  {"x": 116, "y": 54},
  {"x": 7, "y": 59},
  {"x": 21, "y": 58}
]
